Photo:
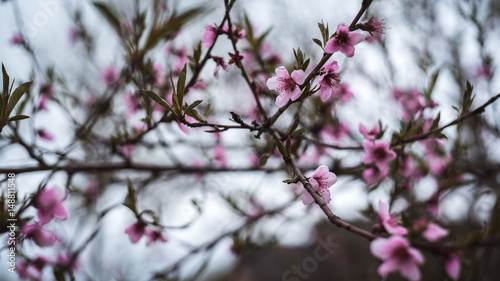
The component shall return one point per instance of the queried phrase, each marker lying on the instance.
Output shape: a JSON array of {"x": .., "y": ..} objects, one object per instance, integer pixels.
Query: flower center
[
  {"x": 342, "y": 39},
  {"x": 380, "y": 153},
  {"x": 332, "y": 79},
  {"x": 285, "y": 84}
]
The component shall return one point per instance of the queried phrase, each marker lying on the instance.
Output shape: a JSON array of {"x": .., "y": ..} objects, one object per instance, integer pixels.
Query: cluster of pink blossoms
[
  {"x": 139, "y": 229},
  {"x": 212, "y": 31}
]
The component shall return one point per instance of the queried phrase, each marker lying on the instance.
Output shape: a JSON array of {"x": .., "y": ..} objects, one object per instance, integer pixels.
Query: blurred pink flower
[
  {"x": 287, "y": 86},
  {"x": 373, "y": 26},
  {"x": 389, "y": 220},
  {"x": 412, "y": 103},
  {"x": 397, "y": 254},
  {"x": 337, "y": 131},
  {"x": 434, "y": 232},
  {"x": 220, "y": 156},
  {"x": 209, "y": 36},
  {"x": 374, "y": 174},
  {"x": 452, "y": 265},
  {"x": 343, "y": 41},
  {"x": 67, "y": 261},
  {"x": 17, "y": 39},
  {"x": 49, "y": 205},
  {"x": 154, "y": 236},
  {"x": 329, "y": 80},
  {"x": 37, "y": 234},
  {"x": 377, "y": 152},
  {"x": 73, "y": 35},
  {"x": 109, "y": 76},
  {"x": 136, "y": 231},
  {"x": 369, "y": 134},
  {"x": 238, "y": 33},
  {"x": 320, "y": 181},
  {"x": 219, "y": 63},
  {"x": 133, "y": 103},
  {"x": 342, "y": 93},
  {"x": 158, "y": 74},
  {"x": 127, "y": 150},
  {"x": 32, "y": 269}
]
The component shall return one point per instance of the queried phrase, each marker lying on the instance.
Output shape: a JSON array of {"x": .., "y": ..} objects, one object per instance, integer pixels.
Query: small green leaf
[
  {"x": 158, "y": 99},
  {"x": 18, "y": 117},
  {"x": 181, "y": 83},
  {"x": 318, "y": 42},
  {"x": 193, "y": 113},
  {"x": 17, "y": 95},
  {"x": 299, "y": 132},
  {"x": 283, "y": 150},
  {"x": 193, "y": 105},
  {"x": 110, "y": 14},
  {"x": 435, "y": 122},
  {"x": 131, "y": 199},
  {"x": 440, "y": 136},
  {"x": 263, "y": 159},
  {"x": 6, "y": 81}
]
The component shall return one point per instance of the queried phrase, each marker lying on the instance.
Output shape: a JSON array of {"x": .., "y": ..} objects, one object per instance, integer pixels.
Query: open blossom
[
  {"x": 219, "y": 63},
  {"x": 133, "y": 103},
  {"x": 389, "y": 221},
  {"x": 286, "y": 85},
  {"x": 369, "y": 134},
  {"x": 397, "y": 254},
  {"x": 434, "y": 232},
  {"x": 37, "y": 234},
  {"x": 154, "y": 236},
  {"x": 49, "y": 205},
  {"x": 377, "y": 152},
  {"x": 320, "y": 181},
  {"x": 329, "y": 80},
  {"x": 452, "y": 264},
  {"x": 209, "y": 36},
  {"x": 136, "y": 231},
  {"x": 373, "y": 26},
  {"x": 343, "y": 41}
]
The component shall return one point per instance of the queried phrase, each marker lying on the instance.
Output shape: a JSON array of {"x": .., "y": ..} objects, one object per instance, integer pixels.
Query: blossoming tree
[{"x": 208, "y": 146}]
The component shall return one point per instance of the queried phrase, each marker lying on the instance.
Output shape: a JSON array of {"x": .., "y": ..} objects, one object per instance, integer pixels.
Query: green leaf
[
  {"x": 18, "y": 117},
  {"x": 158, "y": 99},
  {"x": 193, "y": 105},
  {"x": 193, "y": 113},
  {"x": 440, "y": 136},
  {"x": 299, "y": 132},
  {"x": 288, "y": 145},
  {"x": 263, "y": 159},
  {"x": 110, "y": 15},
  {"x": 131, "y": 199},
  {"x": 435, "y": 122},
  {"x": 318, "y": 42},
  {"x": 181, "y": 83},
  {"x": 432, "y": 83},
  {"x": 17, "y": 95},
  {"x": 283, "y": 150},
  {"x": 6, "y": 81}
]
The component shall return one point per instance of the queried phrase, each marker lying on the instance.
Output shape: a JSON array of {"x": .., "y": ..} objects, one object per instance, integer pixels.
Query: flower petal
[
  {"x": 307, "y": 199},
  {"x": 331, "y": 46},
  {"x": 282, "y": 72},
  {"x": 272, "y": 83},
  {"x": 410, "y": 271},
  {"x": 296, "y": 93},
  {"x": 298, "y": 76},
  {"x": 282, "y": 99}
]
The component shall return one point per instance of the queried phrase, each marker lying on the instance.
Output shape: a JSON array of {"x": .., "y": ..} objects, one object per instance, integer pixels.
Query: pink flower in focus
[
  {"x": 397, "y": 254},
  {"x": 43, "y": 134},
  {"x": 369, "y": 134},
  {"x": 136, "y": 231},
  {"x": 37, "y": 234},
  {"x": 329, "y": 80},
  {"x": 287, "y": 86},
  {"x": 49, "y": 205},
  {"x": 219, "y": 63},
  {"x": 389, "y": 221},
  {"x": 17, "y": 39},
  {"x": 209, "y": 36},
  {"x": 343, "y": 41},
  {"x": 154, "y": 236},
  {"x": 377, "y": 152},
  {"x": 452, "y": 265},
  {"x": 320, "y": 181},
  {"x": 110, "y": 76},
  {"x": 434, "y": 232},
  {"x": 127, "y": 150},
  {"x": 374, "y": 174}
]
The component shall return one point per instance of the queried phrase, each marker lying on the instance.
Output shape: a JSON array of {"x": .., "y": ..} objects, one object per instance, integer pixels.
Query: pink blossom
[
  {"x": 154, "y": 236},
  {"x": 407, "y": 167},
  {"x": 452, "y": 265},
  {"x": 136, "y": 231},
  {"x": 92, "y": 191},
  {"x": 17, "y": 39},
  {"x": 287, "y": 86},
  {"x": 49, "y": 205},
  {"x": 397, "y": 254},
  {"x": 434, "y": 232},
  {"x": 67, "y": 261},
  {"x": 412, "y": 103},
  {"x": 43, "y": 134},
  {"x": 369, "y": 134},
  {"x": 485, "y": 71},
  {"x": 127, "y": 150},
  {"x": 374, "y": 174},
  {"x": 377, "y": 152},
  {"x": 438, "y": 165},
  {"x": 342, "y": 93},
  {"x": 329, "y": 80},
  {"x": 320, "y": 181},
  {"x": 42, "y": 104},
  {"x": 343, "y": 41},
  {"x": 133, "y": 103},
  {"x": 373, "y": 26},
  {"x": 109, "y": 76},
  {"x": 389, "y": 221},
  {"x": 37, "y": 234},
  {"x": 32, "y": 269},
  {"x": 181, "y": 57},
  {"x": 209, "y": 36},
  {"x": 219, "y": 63},
  {"x": 73, "y": 35},
  {"x": 158, "y": 78},
  {"x": 238, "y": 33}
]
